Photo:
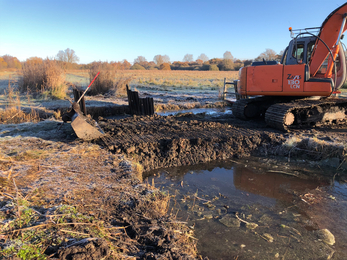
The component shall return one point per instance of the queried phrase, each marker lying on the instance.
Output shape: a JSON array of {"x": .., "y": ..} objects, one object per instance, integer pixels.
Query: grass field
[
  {"x": 157, "y": 79},
  {"x": 198, "y": 79}
]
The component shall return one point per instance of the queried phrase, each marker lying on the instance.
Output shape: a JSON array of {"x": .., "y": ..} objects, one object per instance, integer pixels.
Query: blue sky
[{"x": 112, "y": 30}]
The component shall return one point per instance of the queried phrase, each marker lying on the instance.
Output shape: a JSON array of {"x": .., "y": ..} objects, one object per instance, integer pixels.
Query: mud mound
[
  {"x": 86, "y": 249},
  {"x": 157, "y": 141}
]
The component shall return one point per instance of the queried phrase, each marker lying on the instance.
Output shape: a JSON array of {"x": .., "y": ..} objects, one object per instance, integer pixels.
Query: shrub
[
  {"x": 165, "y": 66},
  {"x": 120, "y": 86},
  {"x": 106, "y": 79},
  {"x": 226, "y": 65},
  {"x": 137, "y": 66},
  {"x": 107, "y": 82},
  {"x": 213, "y": 67},
  {"x": 44, "y": 77}
]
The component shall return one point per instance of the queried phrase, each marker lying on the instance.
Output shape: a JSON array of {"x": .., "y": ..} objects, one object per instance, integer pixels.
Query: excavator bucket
[{"x": 86, "y": 128}]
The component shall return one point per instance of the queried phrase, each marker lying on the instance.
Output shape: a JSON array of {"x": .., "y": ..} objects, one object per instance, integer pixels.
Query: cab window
[{"x": 298, "y": 51}]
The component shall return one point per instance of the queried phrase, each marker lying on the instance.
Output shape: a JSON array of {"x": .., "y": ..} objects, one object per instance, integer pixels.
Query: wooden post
[
  {"x": 77, "y": 94},
  {"x": 139, "y": 106},
  {"x": 152, "y": 106},
  {"x": 224, "y": 89}
]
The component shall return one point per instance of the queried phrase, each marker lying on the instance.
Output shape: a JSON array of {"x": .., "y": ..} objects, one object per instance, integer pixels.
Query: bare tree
[
  {"x": 228, "y": 56},
  {"x": 188, "y": 58},
  {"x": 71, "y": 56},
  {"x": 203, "y": 57},
  {"x": 61, "y": 56},
  {"x": 160, "y": 59},
  {"x": 68, "y": 56},
  {"x": 166, "y": 59},
  {"x": 140, "y": 60},
  {"x": 269, "y": 54}
]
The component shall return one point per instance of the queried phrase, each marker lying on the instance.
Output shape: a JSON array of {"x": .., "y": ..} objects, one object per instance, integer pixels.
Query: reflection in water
[
  {"x": 287, "y": 208},
  {"x": 271, "y": 185}
]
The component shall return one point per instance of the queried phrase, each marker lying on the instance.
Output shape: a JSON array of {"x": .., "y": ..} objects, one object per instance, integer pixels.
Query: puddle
[
  {"x": 288, "y": 210},
  {"x": 206, "y": 111},
  {"x": 213, "y": 112}
]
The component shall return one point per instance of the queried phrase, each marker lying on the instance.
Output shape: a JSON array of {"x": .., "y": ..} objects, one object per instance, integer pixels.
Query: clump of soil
[{"x": 158, "y": 141}]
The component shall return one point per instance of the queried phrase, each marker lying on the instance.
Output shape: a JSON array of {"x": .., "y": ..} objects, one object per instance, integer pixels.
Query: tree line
[{"x": 68, "y": 60}]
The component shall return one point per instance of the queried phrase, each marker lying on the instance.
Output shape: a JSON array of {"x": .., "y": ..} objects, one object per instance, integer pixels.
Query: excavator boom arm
[{"x": 330, "y": 33}]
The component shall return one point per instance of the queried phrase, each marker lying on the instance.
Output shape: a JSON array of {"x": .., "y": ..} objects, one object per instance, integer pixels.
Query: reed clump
[
  {"x": 13, "y": 114},
  {"x": 43, "y": 77},
  {"x": 106, "y": 79},
  {"x": 106, "y": 82}
]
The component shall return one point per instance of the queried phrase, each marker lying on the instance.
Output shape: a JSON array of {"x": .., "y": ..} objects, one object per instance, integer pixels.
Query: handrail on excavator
[{"x": 296, "y": 32}]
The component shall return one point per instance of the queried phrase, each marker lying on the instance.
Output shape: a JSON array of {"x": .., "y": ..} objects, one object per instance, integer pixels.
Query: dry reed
[
  {"x": 107, "y": 82},
  {"x": 43, "y": 77},
  {"x": 13, "y": 114}
]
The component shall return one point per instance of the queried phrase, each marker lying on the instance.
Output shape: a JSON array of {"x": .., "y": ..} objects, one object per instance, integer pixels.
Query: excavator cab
[{"x": 299, "y": 51}]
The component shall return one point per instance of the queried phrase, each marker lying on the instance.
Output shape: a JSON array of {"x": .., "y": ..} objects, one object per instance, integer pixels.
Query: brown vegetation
[
  {"x": 59, "y": 203},
  {"x": 107, "y": 82},
  {"x": 9, "y": 62},
  {"x": 13, "y": 114},
  {"x": 43, "y": 77}
]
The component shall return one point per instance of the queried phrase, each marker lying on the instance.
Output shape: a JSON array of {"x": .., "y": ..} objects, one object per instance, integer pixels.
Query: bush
[
  {"x": 226, "y": 65},
  {"x": 165, "y": 66},
  {"x": 137, "y": 66},
  {"x": 43, "y": 77},
  {"x": 106, "y": 82},
  {"x": 213, "y": 67},
  {"x": 120, "y": 86},
  {"x": 106, "y": 79}
]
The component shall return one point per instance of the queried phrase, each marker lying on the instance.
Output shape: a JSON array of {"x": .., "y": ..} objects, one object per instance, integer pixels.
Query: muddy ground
[
  {"x": 188, "y": 139},
  {"x": 62, "y": 198}
]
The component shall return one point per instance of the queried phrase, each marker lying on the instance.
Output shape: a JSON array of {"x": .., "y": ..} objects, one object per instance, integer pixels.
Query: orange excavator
[{"x": 300, "y": 90}]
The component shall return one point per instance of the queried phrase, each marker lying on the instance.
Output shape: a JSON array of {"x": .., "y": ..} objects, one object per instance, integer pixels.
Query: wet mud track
[{"x": 159, "y": 142}]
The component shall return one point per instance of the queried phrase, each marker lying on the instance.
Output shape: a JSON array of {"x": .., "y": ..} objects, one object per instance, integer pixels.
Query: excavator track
[
  {"x": 239, "y": 108},
  {"x": 305, "y": 112},
  {"x": 286, "y": 114},
  {"x": 249, "y": 108}
]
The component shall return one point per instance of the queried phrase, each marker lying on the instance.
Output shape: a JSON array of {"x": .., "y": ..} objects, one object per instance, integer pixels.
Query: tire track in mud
[{"x": 160, "y": 142}]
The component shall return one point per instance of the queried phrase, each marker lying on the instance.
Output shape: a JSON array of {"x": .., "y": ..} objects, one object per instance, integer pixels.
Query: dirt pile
[{"x": 157, "y": 141}]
